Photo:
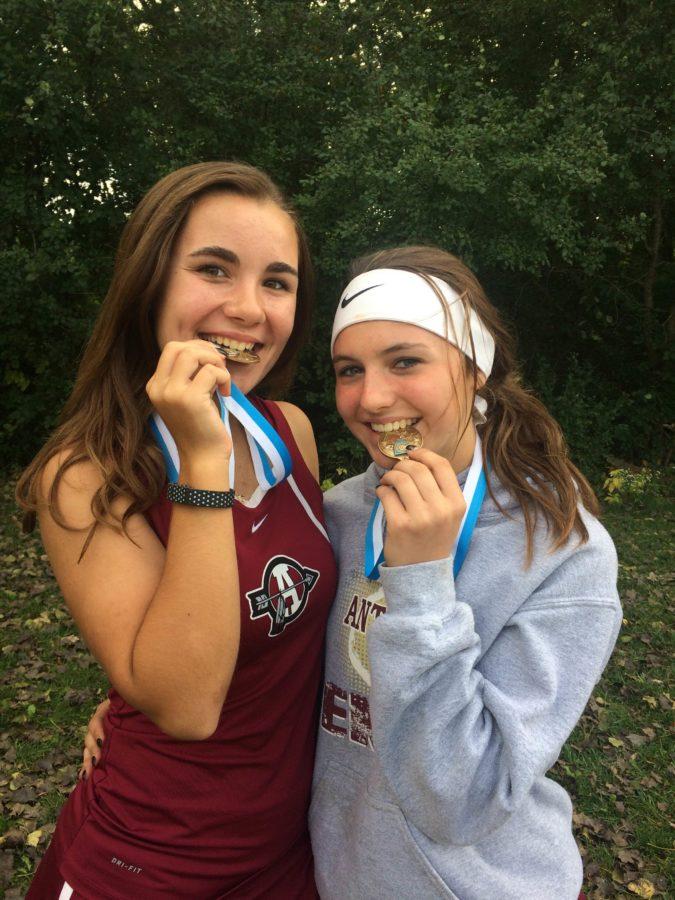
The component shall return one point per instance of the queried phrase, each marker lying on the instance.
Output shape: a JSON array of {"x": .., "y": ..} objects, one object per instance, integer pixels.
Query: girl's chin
[{"x": 247, "y": 378}]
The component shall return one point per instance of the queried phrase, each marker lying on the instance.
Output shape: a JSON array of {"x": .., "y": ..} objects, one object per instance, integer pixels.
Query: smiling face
[
  {"x": 393, "y": 374},
  {"x": 233, "y": 278}
]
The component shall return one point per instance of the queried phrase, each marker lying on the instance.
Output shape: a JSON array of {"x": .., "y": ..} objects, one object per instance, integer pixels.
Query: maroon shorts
[
  {"x": 297, "y": 869},
  {"x": 48, "y": 883}
]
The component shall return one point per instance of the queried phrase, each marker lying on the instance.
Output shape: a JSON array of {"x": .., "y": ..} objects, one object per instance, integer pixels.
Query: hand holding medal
[
  {"x": 270, "y": 456},
  {"x": 423, "y": 506},
  {"x": 182, "y": 390}
]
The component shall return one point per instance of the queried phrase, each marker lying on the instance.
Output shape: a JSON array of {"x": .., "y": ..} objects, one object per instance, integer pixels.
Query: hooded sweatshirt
[{"x": 445, "y": 703}]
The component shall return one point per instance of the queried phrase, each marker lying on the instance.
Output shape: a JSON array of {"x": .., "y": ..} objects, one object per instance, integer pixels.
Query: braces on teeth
[{"x": 237, "y": 351}]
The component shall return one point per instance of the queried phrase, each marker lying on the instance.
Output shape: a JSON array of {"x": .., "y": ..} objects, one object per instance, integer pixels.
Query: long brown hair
[
  {"x": 104, "y": 421},
  {"x": 522, "y": 441}
]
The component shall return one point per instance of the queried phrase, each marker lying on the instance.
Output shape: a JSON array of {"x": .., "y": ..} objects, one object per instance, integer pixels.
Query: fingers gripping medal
[{"x": 395, "y": 444}]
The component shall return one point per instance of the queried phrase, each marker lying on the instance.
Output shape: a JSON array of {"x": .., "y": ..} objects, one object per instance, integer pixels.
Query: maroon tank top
[{"x": 205, "y": 819}]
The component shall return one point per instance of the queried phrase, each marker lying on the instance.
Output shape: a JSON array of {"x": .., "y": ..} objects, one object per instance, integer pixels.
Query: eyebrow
[
  {"x": 395, "y": 348},
  {"x": 230, "y": 256},
  {"x": 220, "y": 252},
  {"x": 282, "y": 267}
]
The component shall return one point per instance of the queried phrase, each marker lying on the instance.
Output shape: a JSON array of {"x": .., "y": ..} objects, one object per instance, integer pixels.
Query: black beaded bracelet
[{"x": 183, "y": 493}]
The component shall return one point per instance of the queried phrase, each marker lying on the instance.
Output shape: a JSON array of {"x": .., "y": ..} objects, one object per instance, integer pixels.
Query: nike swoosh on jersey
[
  {"x": 348, "y": 300},
  {"x": 256, "y": 525}
]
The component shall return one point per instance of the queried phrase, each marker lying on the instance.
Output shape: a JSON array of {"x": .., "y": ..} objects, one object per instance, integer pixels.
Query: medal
[
  {"x": 394, "y": 444},
  {"x": 241, "y": 356}
]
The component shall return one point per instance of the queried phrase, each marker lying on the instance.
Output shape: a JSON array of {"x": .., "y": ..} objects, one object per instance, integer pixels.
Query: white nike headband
[{"x": 396, "y": 295}]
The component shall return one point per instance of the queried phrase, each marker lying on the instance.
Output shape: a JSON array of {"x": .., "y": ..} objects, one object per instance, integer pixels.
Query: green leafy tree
[{"x": 529, "y": 138}]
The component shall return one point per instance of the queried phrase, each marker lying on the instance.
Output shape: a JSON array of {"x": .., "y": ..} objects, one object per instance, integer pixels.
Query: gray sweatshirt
[{"x": 436, "y": 735}]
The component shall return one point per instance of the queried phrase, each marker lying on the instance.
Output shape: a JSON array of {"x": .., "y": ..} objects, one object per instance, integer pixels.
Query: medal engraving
[{"x": 394, "y": 444}]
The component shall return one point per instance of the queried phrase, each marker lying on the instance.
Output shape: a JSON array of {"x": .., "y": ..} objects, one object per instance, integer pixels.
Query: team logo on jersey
[{"x": 283, "y": 593}]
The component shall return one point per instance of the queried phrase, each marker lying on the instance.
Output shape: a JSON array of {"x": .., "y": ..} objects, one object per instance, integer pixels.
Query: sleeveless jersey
[{"x": 226, "y": 816}]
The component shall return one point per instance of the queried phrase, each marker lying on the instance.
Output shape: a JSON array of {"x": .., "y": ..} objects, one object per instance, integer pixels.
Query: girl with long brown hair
[
  {"x": 205, "y": 609},
  {"x": 476, "y": 604}
]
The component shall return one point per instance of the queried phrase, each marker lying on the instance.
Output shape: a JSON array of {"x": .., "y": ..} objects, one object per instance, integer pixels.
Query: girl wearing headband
[
  {"x": 205, "y": 609},
  {"x": 476, "y": 604}
]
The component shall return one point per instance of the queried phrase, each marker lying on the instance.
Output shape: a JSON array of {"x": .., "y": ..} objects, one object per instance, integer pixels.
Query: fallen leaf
[
  {"x": 642, "y": 888},
  {"x": 33, "y": 838},
  {"x": 614, "y": 838},
  {"x": 12, "y": 838},
  {"x": 23, "y": 795},
  {"x": 6, "y": 867}
]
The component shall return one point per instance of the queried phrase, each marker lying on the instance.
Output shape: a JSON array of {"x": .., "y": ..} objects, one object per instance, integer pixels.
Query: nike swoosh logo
[
  {"x": 348, "y": 300},
  {"x": 256, "y": 525}
]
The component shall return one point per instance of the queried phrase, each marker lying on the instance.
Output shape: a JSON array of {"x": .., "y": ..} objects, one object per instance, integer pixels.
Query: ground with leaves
[{"x": 616, "y": 765}]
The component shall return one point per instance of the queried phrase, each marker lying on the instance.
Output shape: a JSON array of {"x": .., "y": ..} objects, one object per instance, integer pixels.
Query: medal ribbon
[
  {"x": 271, "y": 460},
  {"x": 473, "y": 492}
]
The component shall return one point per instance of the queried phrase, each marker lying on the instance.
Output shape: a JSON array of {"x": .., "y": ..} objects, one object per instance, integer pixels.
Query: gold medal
[
  {"x": 394, "y": 444},
  {"x": 241, "y": 356}
]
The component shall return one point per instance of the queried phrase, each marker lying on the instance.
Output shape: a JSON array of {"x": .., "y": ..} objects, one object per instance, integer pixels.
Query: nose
[
  {"x": 245, "y": 303},
  {"x": 377, "y": 394}
]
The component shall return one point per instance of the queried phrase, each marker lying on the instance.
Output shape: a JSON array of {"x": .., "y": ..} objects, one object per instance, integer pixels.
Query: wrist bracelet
[{"x": 183, "y": 493}]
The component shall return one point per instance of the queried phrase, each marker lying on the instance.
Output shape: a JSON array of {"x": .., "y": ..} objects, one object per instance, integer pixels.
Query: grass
[{"x": 616, "y": 765}]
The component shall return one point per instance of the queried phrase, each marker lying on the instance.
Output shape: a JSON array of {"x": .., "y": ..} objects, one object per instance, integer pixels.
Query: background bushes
[{"x": 530, "y": 138}]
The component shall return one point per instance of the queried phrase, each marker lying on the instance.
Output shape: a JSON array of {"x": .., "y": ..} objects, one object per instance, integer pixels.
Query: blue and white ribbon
[
  {"x": 473, "y": 492},
  {"x": 271, "y": 460}
]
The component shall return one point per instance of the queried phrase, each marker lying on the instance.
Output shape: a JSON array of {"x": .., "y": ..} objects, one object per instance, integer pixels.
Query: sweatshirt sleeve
[{"x": 461, "y": 735}]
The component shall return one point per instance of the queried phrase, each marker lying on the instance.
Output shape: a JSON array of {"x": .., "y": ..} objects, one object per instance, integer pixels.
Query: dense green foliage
[{"x": 528, "y": 137}]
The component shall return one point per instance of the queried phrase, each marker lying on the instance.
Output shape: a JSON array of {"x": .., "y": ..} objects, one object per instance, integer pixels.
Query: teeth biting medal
[
  {"x": 241, "y": 356},
  {"x": 235, "y": 354}
]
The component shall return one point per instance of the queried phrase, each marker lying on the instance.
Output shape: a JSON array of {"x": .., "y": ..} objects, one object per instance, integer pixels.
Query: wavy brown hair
[
  {"x": 104, "y": 421},
  {"x": 522, "y": 441}
]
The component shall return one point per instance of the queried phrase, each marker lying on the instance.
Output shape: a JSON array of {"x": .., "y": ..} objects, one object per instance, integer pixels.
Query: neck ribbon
[{"x": 271, "y": 460}]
